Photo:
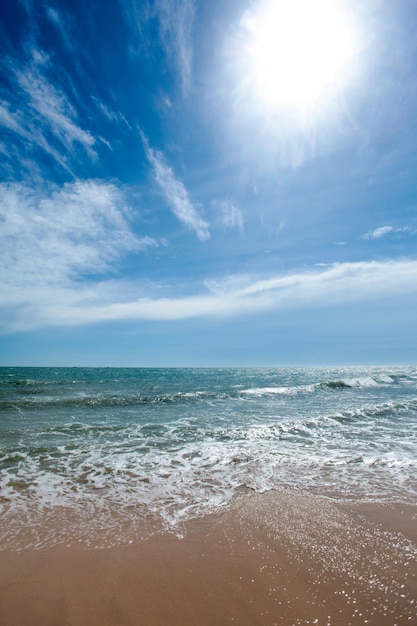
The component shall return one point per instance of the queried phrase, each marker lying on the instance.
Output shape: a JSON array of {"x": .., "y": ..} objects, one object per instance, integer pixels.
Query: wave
[
  {"x": 99, "y": 401},
  {"x": 23, "y": 382},
  {"x": 163, "y": 435},
  {"x": 90, "y": 389},
  {"x": 37, "y": 400},
  {"x": 365, "y": 382},
  {"x": 270, "y": 391}
]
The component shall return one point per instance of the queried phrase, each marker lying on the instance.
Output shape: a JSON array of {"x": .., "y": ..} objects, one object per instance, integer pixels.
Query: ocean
[{"x": 106, "y": 452}]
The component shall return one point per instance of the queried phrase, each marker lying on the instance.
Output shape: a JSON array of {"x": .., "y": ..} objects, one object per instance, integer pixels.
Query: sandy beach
[{"x": 275, "y": 558}]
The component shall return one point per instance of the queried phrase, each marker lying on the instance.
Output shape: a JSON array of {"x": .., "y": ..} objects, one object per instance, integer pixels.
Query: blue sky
[{"x": 208, "y": 183}]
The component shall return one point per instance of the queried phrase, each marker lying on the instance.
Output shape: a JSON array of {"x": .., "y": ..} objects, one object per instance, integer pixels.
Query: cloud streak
[
  {"x": 384, "y": 231},
  {"x": 61, "y": 23},
  {"x": 175, "y": 193},
  {"x": 322, "y": 289},
  {"x": 40, "y": 114},
  {"x": 175, "y": 20},
  {"x": 54, "y": 110},
  {"x": 176, "y": 25}
]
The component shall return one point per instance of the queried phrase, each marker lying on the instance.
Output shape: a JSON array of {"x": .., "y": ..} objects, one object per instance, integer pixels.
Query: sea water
[{"x": 99, "y": 450}]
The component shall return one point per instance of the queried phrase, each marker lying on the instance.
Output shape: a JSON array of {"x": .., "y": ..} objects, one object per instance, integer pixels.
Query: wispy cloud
[
  {"x": 41, "y": 114},
  {"x": 231, "y": 215},
  {"x": 53, "y": 109},
  {"x": 111, "y": 115},
  {"x": 176, "y": 20},
  {"x": 175, "y": 193},
  {"x": 61, "y": 23},
  {"x": 383, "y": 231},
  {"x": 50, "y": 240},
  {"x": 176, "y": 25},
  {"x": 9, "y": 119},
  {"x": 239, "y": 295}
]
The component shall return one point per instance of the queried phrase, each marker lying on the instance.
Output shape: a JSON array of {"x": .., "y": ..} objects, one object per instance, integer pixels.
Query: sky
[{"x": 193, "y": 183}]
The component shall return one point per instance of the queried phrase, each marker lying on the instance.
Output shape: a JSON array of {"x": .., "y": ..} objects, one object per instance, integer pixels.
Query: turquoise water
[{"x": 179, "y": 443}]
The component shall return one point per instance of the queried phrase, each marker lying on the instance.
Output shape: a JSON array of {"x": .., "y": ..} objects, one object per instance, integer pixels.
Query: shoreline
[{"x": 272, "y": 558}]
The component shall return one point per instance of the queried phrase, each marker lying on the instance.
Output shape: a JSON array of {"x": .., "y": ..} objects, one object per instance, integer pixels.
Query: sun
[{"x": 297, "y": 51}]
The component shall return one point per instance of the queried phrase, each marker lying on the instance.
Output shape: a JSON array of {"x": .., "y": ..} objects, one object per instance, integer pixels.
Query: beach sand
[{"x": 273, "y": 558}]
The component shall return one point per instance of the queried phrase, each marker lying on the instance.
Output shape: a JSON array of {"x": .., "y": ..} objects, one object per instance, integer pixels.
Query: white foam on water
[
  {"x": 188, "y": 479},
  {"x": 198, "y": 454},
  {"x": 264, "y": 391}
]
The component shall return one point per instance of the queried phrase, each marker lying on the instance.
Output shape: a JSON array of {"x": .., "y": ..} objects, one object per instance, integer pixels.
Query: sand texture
[{"x": 275, "y": 558}]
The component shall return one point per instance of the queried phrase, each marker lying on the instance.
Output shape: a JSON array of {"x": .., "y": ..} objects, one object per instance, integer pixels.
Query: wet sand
[{"x": 275, "y": 558}]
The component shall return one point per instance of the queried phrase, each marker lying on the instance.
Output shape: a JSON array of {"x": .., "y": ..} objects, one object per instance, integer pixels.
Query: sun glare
[{"x": 296, "y": 51}]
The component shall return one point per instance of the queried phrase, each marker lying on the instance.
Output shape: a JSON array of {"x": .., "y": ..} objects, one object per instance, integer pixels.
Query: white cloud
[
  {"x": 378, "y": 232},
  {"x": 61, "y": 23},
  {"x": 175, "y": 193},
  {"x": 176, "y": 25},
  {"x": 176, "y": 20},
  {"x": 231, "y": 215},
  {"x": 110, "y": 114},
  {"x": 8, "y": 119},
  {"x": 345, "y": 283},
  {"x": 383, "y": 231},
  {"x": 49, "y": 239},
  {"x": 40, "y": 114},
  {"x": 228, "y": 284},
  {"x": 54, "y": 109}
]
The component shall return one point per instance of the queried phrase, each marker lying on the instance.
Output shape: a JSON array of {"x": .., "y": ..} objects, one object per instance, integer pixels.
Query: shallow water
[{"x": 86, "y": 443}]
